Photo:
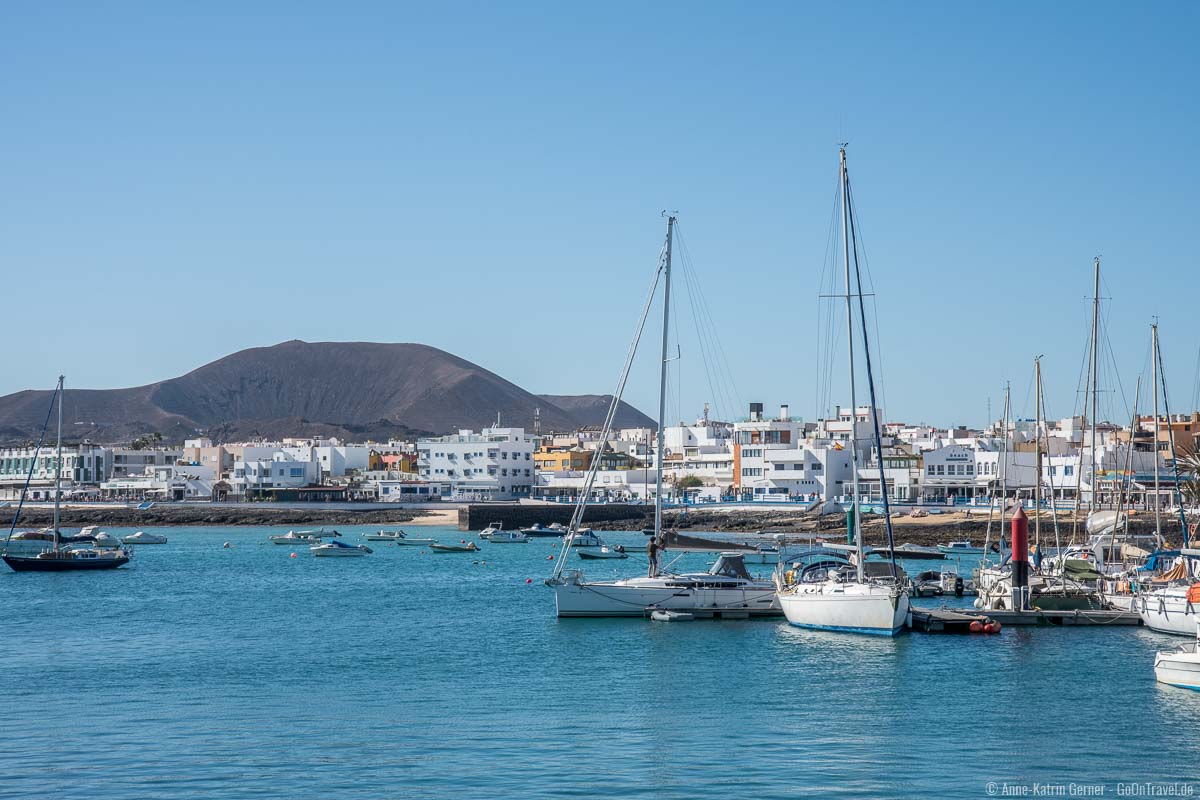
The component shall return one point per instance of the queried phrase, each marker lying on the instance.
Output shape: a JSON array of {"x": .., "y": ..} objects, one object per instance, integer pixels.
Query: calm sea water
[{"x": 204, "y": 672}]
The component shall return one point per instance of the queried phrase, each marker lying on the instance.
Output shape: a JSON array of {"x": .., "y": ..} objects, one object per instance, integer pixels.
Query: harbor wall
[{"x": 478, "y": 516}]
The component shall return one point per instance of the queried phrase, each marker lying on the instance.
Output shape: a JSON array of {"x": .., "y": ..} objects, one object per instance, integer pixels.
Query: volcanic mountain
[{"x": 353, "y": 390}]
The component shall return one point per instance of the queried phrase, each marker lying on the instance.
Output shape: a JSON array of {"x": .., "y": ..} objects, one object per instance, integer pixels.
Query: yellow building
[{"x": 561, "y": 459}]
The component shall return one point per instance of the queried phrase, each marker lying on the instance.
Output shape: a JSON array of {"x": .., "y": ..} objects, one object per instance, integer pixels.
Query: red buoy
[
  {"x": 990, "y": 628},
  {"x": 997, "y": 626},
  {"x": 293, "y": 555},
  {"x": 976, "y": 626},
  {"x": 529, "y": 580}
]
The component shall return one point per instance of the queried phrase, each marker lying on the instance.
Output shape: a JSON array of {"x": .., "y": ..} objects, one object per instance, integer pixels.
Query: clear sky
[{"x": 180, "y": 181}]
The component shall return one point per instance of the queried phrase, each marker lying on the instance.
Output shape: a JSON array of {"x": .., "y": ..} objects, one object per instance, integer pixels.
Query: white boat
[
  {"x": 851, "y": 603},
  {"x": 141, "y": 537},
  {"x": 726, "y": 590},
  {"x": 492, "y": 528},
  {"x": 336, "y": 549},
  {"x": 508, "y": 537},
  {"x": 586, "y": 537},
  {"x": 384, "y": 536},
  {"x": 414, "y": 541},
  {"x": 292, "y": 537},
  {"x": 1171, "y": 607},
  {"x": 848, "y": 606},
  {"x": 1179, "y": 667},
  {"x": 538, "y": 529},
  {"x": 960, "y": 548}
]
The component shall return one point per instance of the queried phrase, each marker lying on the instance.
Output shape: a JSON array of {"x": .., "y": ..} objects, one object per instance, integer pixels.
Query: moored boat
[
  {"x": 84, "y": 552},
  {"x": 536, "y": 530},
  {"x": 336, "y": 549},
  {"x": 508, "y": 537},
  {"x": 468, "y": 547},
  {"x": 141, "y": 537},
  {"x": 384, "y": 536},
  {"x": 603, "y": 552},
  {"x": 1179, "y": 667},
  {"x": 960, "y": 548}
]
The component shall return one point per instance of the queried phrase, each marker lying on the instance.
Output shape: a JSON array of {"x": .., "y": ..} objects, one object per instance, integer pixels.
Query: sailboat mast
[
  {"x": 58, "y": 463},
  {"x": 1154, "y": 367},
  {"x": 858, "y": 543},
  {"x": 662, "y": 380},
  {"x": 1095, "y": 378},
  {"x": 1037, "y": 435}
]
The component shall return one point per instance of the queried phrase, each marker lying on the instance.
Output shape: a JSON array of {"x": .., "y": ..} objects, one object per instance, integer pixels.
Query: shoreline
[{"x": 199, "y": 515}]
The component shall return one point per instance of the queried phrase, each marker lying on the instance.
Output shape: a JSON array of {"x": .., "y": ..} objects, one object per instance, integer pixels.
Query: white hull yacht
[
  {"x": 726, "y": 591},
  {"x": 851, "y": 607}
]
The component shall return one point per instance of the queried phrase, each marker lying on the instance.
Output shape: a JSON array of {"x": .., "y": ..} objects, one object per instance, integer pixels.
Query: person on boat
[{"x": 652, "y": 554}]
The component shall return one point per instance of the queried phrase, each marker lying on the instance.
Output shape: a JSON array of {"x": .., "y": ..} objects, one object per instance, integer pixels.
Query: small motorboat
[
  {"x": 336, "y": 549},
  {"x": 585, "y": 537},
  {"x": 604, "y": 552},
  {"x": 303, "y": 537},
  {"x": 414, "y": 541},
  {"x": 960, "y": 548},
  {"x": 469, "y": 547},
  {"x": 663, "y": 615},
  {"x": 928, "y": 584},
  {"x": 293, "y": 538},
  {"x": 141, "y": 537},
  {"x": 494, "y": 527},
  {"x": 1181, "y": 666},
  {"x": 508, "y": 537},
  {"x": 383, "y": 536},
  {"x": 538, "y": 530}
]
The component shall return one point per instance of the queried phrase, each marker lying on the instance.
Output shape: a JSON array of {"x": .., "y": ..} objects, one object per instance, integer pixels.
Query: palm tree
[{"x": 1188, "y": 465}]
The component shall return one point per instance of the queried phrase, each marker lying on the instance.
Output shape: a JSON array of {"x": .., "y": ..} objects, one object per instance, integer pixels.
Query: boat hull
[
  {"x": 1178, "y": 668},
  {"x": 25, "y": 564},
  {"x": 851, "y": 608},
  {"x": 628, "y": 599},
  {"x": 1167, "y": 611}
]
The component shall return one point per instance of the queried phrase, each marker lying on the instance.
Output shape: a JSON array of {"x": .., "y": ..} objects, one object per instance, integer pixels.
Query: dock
[
  {"x": 1066, "y": 618},
  {"x": 943, "y": 620},
  {"x": 953, "y": 620}
]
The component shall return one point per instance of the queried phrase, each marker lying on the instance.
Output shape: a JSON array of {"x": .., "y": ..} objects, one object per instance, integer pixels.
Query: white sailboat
[
  {"x": 727, "y": 590},
  {"x": 857, "y": 605},
  {"x": 1173, "y": 605}
]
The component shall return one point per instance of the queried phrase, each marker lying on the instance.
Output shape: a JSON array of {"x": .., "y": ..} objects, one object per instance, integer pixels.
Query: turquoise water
[{"x": 246, "y": 673}]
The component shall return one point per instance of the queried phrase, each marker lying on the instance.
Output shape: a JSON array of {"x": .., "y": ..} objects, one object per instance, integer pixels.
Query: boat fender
[
  {"x": 990, "y": 628},
  {"x": 1193, "y": 595},
  {"x": 976, "y": 626}
]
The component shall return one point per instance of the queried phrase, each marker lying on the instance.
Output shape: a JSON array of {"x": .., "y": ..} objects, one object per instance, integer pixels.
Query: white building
[
  {"x": 174, "y": 482},
  {"x": 258, "y": 476},
  {"x": 84, "y": 464},
  {"x": 494, "y": 464}
]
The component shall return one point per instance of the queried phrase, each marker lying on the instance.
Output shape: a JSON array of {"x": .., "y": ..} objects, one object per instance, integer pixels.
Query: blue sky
[{"x": 182, "y": 182}]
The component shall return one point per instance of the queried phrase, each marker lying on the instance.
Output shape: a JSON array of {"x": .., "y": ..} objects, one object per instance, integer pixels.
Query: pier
[{"x": 953, "y": 620}]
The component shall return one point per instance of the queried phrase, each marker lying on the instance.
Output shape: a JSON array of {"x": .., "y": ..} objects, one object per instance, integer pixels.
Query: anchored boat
[{"x": 81, "y": 553}]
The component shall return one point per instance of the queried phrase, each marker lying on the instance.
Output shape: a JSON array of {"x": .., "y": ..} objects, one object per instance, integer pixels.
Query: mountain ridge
[{"x": 296, "y": 388}]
